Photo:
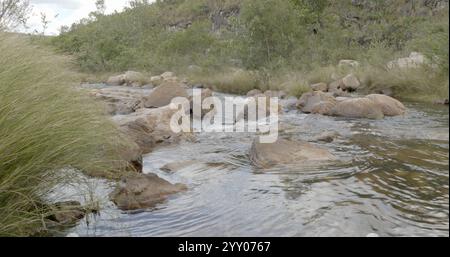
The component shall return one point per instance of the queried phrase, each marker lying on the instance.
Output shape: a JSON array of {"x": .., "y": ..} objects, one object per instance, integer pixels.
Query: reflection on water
[{"x": 391, "y": 179}]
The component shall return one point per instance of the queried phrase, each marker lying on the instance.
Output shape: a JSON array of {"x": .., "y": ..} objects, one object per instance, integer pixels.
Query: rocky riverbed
[{"x": 343, "y": 166}]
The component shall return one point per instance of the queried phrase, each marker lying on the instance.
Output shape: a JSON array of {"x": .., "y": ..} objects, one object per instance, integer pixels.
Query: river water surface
[{"x": 391, "y": 179}]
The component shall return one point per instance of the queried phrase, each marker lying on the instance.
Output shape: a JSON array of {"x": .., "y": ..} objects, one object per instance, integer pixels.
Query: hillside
[{"x": 270, "y": 36}]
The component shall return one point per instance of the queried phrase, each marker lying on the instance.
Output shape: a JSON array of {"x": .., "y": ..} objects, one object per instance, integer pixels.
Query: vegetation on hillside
[
  {"x": 46, "y": 126},
  {"x": 269, "y": 38}
]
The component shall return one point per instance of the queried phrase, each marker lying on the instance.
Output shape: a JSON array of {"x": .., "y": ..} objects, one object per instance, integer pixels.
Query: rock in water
[
  {"x": 358, "y": 108},
  {"x": 308, "y": 101},
  {"x": 149, "y": 127},
  {"x": 66, "y": 213},
  {"x": 176, "y": 166},
  {"x": 139, "y": 191},
  {"x": 389, "y": 105},
  {"x": 286, "y": 152},
  {"x": 163, "y": 95}
]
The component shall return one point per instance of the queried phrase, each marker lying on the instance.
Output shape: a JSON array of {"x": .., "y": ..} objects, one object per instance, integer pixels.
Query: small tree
[{"x": 13, "y": 13}]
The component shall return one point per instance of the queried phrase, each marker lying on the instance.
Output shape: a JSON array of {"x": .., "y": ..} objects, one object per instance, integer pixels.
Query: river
[{"x": 391, "y": 179}]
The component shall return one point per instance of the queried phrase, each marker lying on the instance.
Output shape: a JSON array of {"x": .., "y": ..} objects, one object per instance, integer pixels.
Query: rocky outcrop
[
  {"x": 286, "y": 152},
  {"x": 129, "y": 78},
  {"x": 163, "y": 95},
  {"x": 139, "y": 191}
]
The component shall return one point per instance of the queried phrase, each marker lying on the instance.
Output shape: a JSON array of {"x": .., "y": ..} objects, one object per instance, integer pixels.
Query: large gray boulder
[
  {"x": 139, "y": 191},
  {"x": 286, "y": 152}
]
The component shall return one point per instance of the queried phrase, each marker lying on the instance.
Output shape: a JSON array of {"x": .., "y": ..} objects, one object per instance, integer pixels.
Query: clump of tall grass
[{"x": 46, "y": 125}]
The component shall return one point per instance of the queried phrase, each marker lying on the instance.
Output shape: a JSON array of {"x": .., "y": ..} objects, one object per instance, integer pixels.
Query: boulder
[
  {"x": 119, "y": 101},
  {"x": 66, "y": 213},
  {"x": 320, "y": 87},
  {"x": 167, "y": 75},
  {"x": 335, "y": 89},
  {"x": 286, "y": 152},
  {"x": 139, "y": 191},
  {"x": 290, "y": 103},
  {"x": 350, "y": 83},
  {"x": 308, "y": 101},
  {"x": 415, "y": 60},
  {"x": 348, "y": 64},
  {"x": 156, "y": 80},
  {"x": 149, "y": 127},
  {"x": 357, "y": 108},
  {"x": 389, "y": 105},
  {"x": 163, "y": 95},
  {"x": 129, "y": 78},
  {"x": 323, "y": 108},
  {"x": 254, "y": 92}
]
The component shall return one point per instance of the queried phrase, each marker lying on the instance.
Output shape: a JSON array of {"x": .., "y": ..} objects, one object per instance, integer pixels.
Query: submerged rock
[
  {"x": 327, "y": 137},
  {"x": 286, "y": 152},
  {"x": 163, "y": 95},
  {"x": 141, "y": 191},
  {"x": 176, "y": 166}
]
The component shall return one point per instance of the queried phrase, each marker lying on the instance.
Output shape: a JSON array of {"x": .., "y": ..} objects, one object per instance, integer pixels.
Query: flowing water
[{"x": 391, "y": 179}]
